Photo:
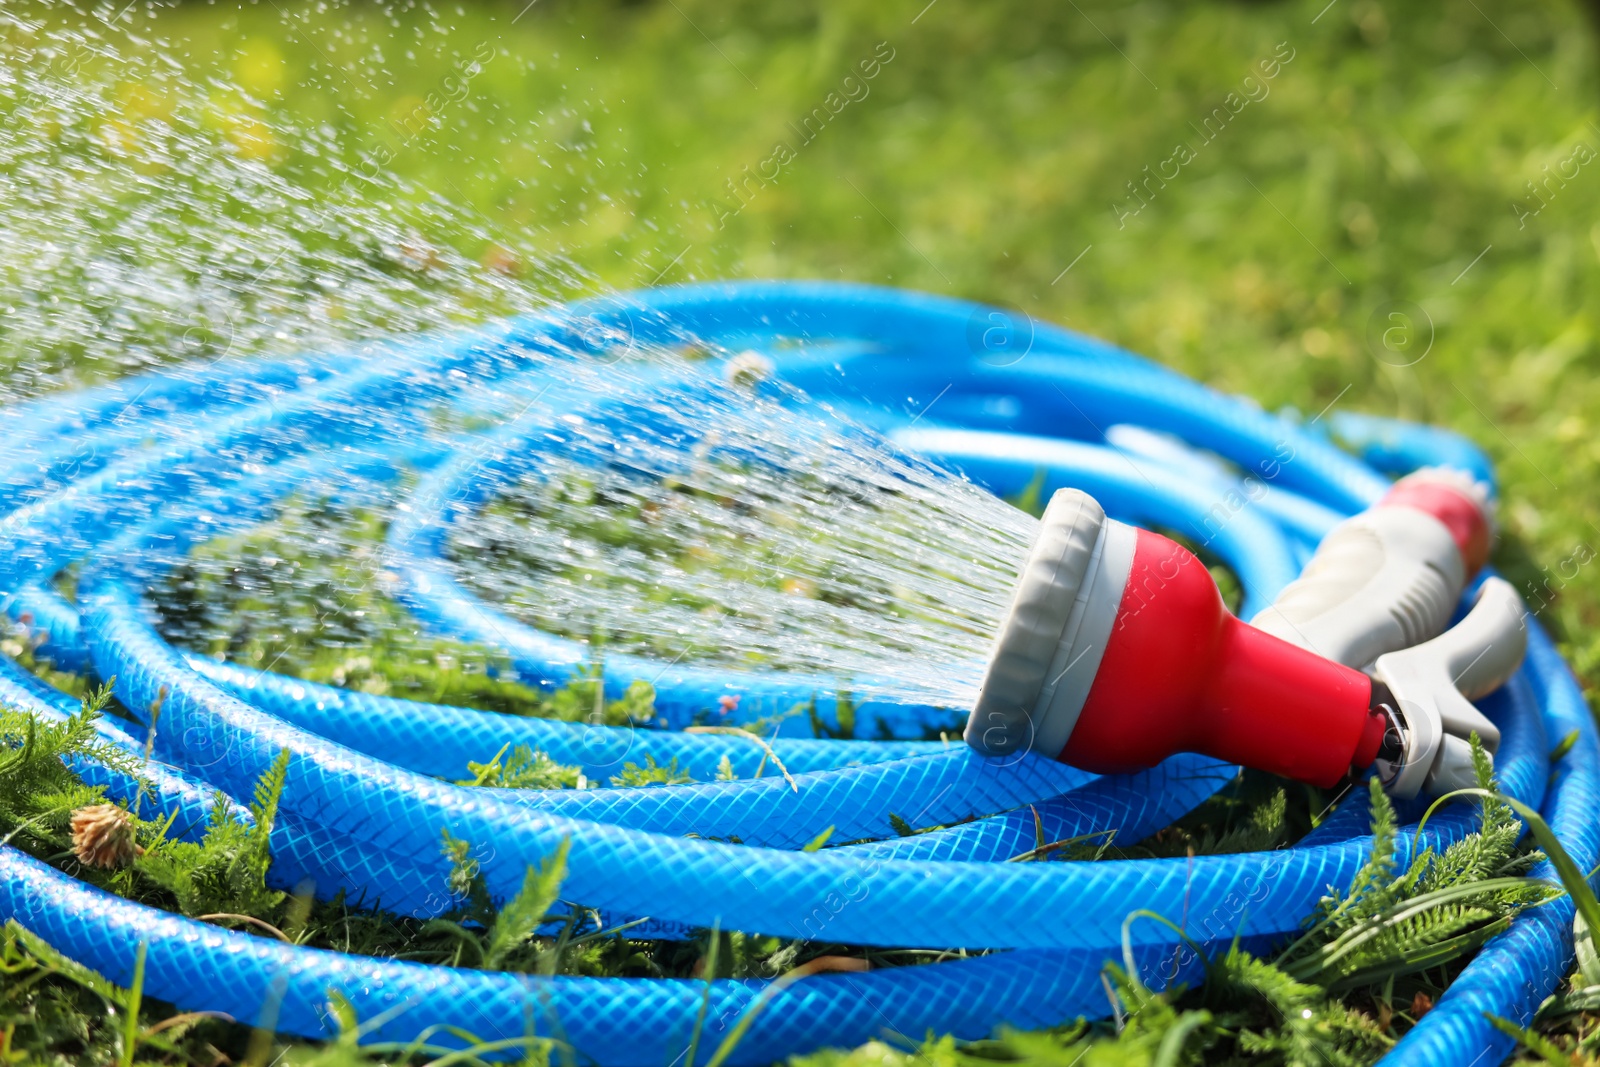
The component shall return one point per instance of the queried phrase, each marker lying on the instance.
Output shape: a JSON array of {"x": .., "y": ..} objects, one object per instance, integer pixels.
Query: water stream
[{"x": 149, "y": 219}]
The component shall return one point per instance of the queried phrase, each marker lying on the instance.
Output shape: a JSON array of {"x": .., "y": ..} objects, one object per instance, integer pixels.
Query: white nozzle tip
[{"x": 1048, "y": 646}]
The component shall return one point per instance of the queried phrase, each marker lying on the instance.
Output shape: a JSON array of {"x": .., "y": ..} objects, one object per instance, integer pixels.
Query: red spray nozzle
[{"x": 1119, "y": 652}]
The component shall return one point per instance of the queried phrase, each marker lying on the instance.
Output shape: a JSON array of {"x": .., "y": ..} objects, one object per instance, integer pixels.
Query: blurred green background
[{"x": 1440, "y": 154}]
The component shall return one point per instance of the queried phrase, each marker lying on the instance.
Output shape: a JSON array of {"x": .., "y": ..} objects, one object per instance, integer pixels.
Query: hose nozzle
[{"x": 1118, "y": 651}]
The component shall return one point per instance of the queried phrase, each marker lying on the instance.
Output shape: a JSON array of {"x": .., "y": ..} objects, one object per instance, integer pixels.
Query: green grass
[
  {"x": 990, "y": 153},
  {"x": 1328, "y": 995}
]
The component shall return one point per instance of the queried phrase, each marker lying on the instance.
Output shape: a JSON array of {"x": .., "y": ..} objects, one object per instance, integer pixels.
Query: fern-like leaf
[
  {"x": 523, "y": 913},
  {"x": 269, "y": 788}
]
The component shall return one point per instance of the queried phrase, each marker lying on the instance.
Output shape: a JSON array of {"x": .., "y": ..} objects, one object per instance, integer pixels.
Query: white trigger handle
[
  {"x": 1433, "y": 685},
  {"x": 1382, "y": 580}
]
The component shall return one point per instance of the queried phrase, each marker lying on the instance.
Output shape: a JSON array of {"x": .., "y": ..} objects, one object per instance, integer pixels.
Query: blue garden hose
[{"x": 364, "y": 807}]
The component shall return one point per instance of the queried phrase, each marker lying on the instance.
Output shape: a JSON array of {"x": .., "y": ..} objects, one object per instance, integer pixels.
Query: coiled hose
[{"x": 122, "y": 479}]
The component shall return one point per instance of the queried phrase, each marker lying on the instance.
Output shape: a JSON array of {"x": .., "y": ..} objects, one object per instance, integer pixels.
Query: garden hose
[{"x": 367, "y": 799}]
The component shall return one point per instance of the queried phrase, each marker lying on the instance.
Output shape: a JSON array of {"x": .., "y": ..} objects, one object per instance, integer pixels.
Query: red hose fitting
[
  {"x": 1182, "y": 674},
  {"x": 1119, "y": 652},
  {"x": 1460, "y": 504}
]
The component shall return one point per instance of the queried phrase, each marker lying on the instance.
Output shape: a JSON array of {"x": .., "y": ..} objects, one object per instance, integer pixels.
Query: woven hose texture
[{"x": 435, "y": 424}]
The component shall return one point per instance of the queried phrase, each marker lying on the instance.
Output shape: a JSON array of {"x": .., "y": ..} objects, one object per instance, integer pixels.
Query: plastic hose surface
[{"x": 123, "y": 479}]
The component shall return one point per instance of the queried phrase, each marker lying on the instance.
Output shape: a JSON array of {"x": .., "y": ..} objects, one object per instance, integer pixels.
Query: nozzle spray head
[
  {"x": 1118, "y": 652},
  {"x": 1049, "y": 646}
]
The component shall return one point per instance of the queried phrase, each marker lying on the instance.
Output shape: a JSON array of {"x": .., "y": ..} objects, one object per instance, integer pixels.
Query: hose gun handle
[
  {"x": 1389, "y": 579},
  {"x": 1431, "y": 686}
]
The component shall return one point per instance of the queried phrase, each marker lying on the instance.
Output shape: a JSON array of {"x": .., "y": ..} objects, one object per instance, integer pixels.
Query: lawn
[
  {"x": 1345, "y": 206},
  {"x": 1397, "y": 158}
]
